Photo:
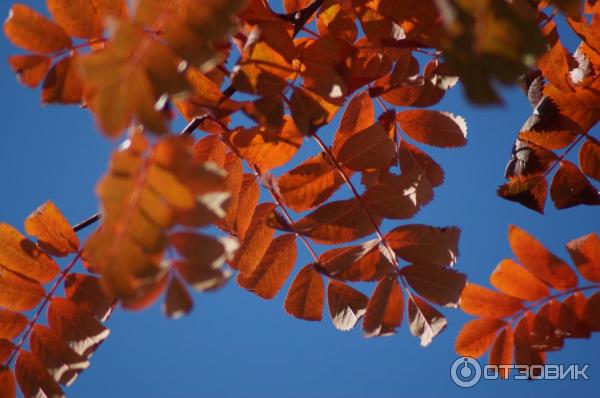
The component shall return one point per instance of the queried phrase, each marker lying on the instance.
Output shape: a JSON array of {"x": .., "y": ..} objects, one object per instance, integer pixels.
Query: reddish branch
[
  {"x": 41, "y": 308},
  {"x": 357, "y": 196}
]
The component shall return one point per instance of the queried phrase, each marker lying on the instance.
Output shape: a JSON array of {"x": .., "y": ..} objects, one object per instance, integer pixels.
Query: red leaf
[
  {"x": 346, "y": 305},
  {"x": 585, "y": 252},
  {"x": 178, "y": 301},
  {"x": 384, "y": 310},
  {"x": 425, "y": 244},
  {"x": 439, "y": 285},
  {"x": 306, "y": 296},
  {"x": 529, "y": 191},
  {"x": 476, "y": 336},
  {"x": 502, "y": 350},
  {"x": 482, "y": 302},
  {"x": 270, "y": 274},
  {"x": 514, "y": 280},
  {"x": 589, "y": 159},
  {"x": 537, "y": 259},
  {"x": 434, "y": 128},
  {"x": 424, "y": 321},
  {"x": 33, "y": 378},
  {"x": 570, "y": 188}
]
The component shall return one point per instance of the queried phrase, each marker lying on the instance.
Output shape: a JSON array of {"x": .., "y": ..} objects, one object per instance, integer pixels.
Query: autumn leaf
[
  {"x": 267, "y": 279},
  {"x": 346, "y": 305},
  {"x": 434, "y": 128},
  {"x": 439, "y": 285},
  {"x": 306, "y": 296},
  {"x": 480, "y": 301},
  {"x": 514, "y": 280},
  {"x": 585, "y": 252},
  {"x": 476, "y": 336},
  {"x": 385, "y": 308},
  {"x": 424, "y": 320},
  {"x": 424, "y": 244},
  {"x": 529, "y": 191},
  {"x": 589, "y": 159},
  {"x": 32, "y": 31},
  {"x": 53, "y": 230},
  {"x": 539, "y": 261},
  {"x": 570, "y": 187}
]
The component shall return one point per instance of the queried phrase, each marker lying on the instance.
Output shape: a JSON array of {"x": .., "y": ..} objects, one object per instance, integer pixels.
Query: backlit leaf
[
  {"x": 267, "y": 279},
  {"x": 589, "y": 159},
  {"x": 514, "y": 280},
  {"x": 585, "y": 252},
  {"x": 482, "y": 302},
  {"x": 52, "y": 229},
  {"x": 32, "y": 31},
  {"x": 385, "y": 308},
  {"x": 530, "y": 192},
  {"x": 18, "y": 293},
  {"x": 425, "y": 321},
  {"x": 476, "y": 336},
  {"x": 439, "y": 285},
  {"x": 425, "y": 244},
  {"x": 501, "y": 352},
  {"x": 33, "y": 378},
  {"x": 571, "y": 188},
  {"x": 21, "y": 255},
  {"x": 539, "y": 261},
  {"x": 346, "y": 305},
  {"x": 433, "y": 127},
  {"x": 178, "y": 301},
  {"x": 306, "y": 296},
  {"x": 11, "y": 324},
  {"x": 337, "y": 222}
]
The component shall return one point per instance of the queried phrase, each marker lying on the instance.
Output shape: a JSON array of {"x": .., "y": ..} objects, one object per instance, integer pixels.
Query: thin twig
[
  {"x": 41, "y": 308},
  {"x": 361, "y": 203}
]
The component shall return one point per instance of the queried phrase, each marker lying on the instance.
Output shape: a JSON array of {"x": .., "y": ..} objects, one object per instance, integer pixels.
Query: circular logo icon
[{"x": 465, "y": 372}]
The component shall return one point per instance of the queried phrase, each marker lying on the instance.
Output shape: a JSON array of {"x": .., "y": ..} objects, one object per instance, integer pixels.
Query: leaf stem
[
  {"x": 41, "y": 308},
  {"x": 357, "y": 196}
]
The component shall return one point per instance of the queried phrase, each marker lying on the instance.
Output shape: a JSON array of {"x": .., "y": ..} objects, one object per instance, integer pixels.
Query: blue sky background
[{"x": 235, "y": 344}]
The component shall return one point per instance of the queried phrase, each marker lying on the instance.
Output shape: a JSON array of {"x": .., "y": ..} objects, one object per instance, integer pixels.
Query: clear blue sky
[{"x": 235, "y": 344}]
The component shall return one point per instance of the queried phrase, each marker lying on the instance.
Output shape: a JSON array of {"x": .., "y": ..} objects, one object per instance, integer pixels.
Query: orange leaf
[
  {"x": 267, "y": 279},
  {"x": 529, "y": 191},
  {"x": 589, "y": 159},
  {"x": 585, "y": 252},
  {"x": 309, "y": 184},
  {"x": 6, "y": 350},
  {"x": 434, "y": 128},
  {"x": 385, "y": 308},
  {"x": 257, "y": 240},
  {"x": 424, "y": 244},
  {"x": 18, "y": 293},
  {"x": 415, "y": 161},
  {"x": 425, "y": 321},
  {"x": 30, "y": 69},
  {"x": 579, "y": 106},
  {"x": 248, "y": 199},
  {"x": 11, "y": 324},
  {"x": 86, "y": 292},
  {"x": 82, "y": 332},
  {"x": 571, "y": 188},
  {"x": 233, "y": 184},
  {"x": 201, "y": 276},
  {"x": 366, "y": 262},
  {"x": 502, "y": 350},
  {"x": 32, "y": 31},
  {"x": 370, "y": 148},
  {"x": 63, "y": 84},
  {"x": 554, "y": 65},
  {"x": 514, "y": 280},
  {"x": 553, "y": 139},
  {"x": 592, "y": 309},
  {"x": 439, "y": 285},
  {"x": 398, "y": 197},
  {"x": 78, "y": 17},
  {"x": 210, "y": 149},
  {"x": 21, "y": 255},
  {"x": 308, "y": 112},
  {"x": 359, "y": 115},
  {"x": 544, "y": 334},
  {"x": 306, "y": 296},
  {"x": 537, "y": 259},
  {"x": 266, "y": 149},
  {"x": 178, "y": 301},
  {"x": 33, "y": 378},
  {"x": 52, "y": 229},
  {"x": 476, "y": 336},
  {"x": 7, "y": 383},
  {"x": 62, "y": 362},
  {"x": 482, "y": 302},
  {"x": 346, "y": 305},
  {"x": 336, "y": 222},
  {"x": 572, "y": 317}
]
